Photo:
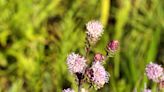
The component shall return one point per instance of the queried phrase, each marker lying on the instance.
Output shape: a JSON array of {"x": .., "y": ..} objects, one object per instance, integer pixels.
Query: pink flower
[
  {"x": 154, "y": 72},
  {"x": 68, "y": 90},
  {"x": 98, "y": 75},
  {"x": 94, "y": 31},
  {"x": 76, "y": 63}
]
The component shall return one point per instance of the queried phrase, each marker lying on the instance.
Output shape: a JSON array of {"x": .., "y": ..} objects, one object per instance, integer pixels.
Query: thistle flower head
[
  {"x": 76, "y": 63},
  {"x": 98, "y": 57},
  {"x": 113, "y": 45},
  {"x": 68, "y": 90},
  {"x": 94, "y": 31},
  {"x": 154, "y": 72},
  {"x": 98, "y": 75}
]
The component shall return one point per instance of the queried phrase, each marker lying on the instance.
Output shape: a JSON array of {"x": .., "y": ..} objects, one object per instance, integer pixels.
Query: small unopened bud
[
  {"x": 98, "y": 57},
  {"x": 113, "y": 46}
]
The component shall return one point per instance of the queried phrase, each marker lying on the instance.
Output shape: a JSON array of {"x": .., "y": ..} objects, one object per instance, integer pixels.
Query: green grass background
[{"x": 37, "y": 35}]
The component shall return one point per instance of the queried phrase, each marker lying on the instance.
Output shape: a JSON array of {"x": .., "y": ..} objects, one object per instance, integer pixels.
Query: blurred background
[{"x": 37, "y": 35}]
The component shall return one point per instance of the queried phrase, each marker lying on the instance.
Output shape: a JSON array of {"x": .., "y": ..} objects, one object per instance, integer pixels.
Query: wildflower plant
[
  {"x": 155, "y": 73},
  {"x": 93, "y": 72}
]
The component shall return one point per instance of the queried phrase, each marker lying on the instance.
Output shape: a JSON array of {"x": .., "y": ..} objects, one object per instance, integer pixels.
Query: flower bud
[
  {"x": 98, "y": 57},
  {"x": 113, "y": 46}
]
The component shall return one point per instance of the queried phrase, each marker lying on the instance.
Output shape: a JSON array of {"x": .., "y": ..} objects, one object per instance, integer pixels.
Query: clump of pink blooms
[{"x": 92, "y": 72}]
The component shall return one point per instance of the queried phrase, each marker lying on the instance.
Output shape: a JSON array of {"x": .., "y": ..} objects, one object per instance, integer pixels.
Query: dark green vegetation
[{"x": 37, "y": 35}]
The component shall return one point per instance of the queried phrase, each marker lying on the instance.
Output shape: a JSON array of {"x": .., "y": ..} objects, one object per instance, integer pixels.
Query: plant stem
[
  {"x": 88, "y": 47},
  {"x": 87, "y": 52},
  {"x": 79, "y": 86}
]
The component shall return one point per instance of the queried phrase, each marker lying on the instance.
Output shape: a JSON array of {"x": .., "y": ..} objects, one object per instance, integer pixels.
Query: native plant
[
  {"x": 155, "y": 72},
  {"x": 85, "y": 70}
]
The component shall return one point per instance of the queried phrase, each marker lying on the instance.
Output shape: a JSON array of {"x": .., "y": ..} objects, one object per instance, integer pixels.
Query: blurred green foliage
[{"x": 37, "y": 35}]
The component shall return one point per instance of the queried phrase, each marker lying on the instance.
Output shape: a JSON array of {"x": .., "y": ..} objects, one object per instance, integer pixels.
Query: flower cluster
[
  {"x": 154, "y": 72},
  {"x": 93, "y": 73}
]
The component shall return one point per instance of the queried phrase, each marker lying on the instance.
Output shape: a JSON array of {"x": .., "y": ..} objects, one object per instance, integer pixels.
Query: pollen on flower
[
  {"x": 98, "y": 75},
  {"x": 68, "y": 90},
  {"x": 94, "y": 31},
  {"x": 154, "y": 72},
  {"x": 76, "y": 63}
]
